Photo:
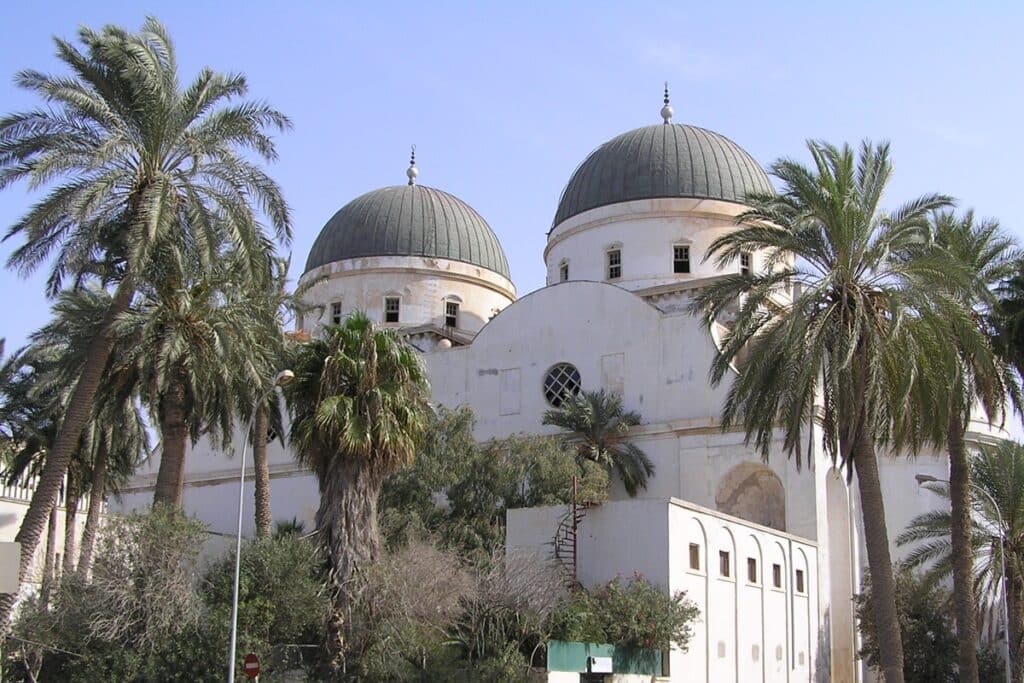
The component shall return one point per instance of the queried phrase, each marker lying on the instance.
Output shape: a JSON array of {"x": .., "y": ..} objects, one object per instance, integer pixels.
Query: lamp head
[
  {"x": 925, "y": 479},
  {"x": 283, "y": 378}
]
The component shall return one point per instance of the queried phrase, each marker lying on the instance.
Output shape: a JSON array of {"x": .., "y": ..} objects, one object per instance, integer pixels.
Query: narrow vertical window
[
  {"x": 777, "y": 575},
  {"x": 391, "y": 305},
  {"x": 563, "y": 271},
  {"x": 451, "y": 314},
  {"x": 336, "y": 313},
  {"x": 680, "y": 259},
  {"x": 752, "y": 570},
  {"x": 800, "y": 581},
  {"x": 723, "y": 563},
  {"x": 694, "y": 556},
  {"x": 745, "y": 261},
  {"x": 614, "y": 264}
]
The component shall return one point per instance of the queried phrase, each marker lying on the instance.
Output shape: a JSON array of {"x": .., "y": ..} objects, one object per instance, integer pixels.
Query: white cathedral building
[{"x": 770, "y": 554}]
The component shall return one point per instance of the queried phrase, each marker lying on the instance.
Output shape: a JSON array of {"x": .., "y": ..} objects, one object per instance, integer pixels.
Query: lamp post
[
  {"x": 282, "y": 378},
  {"x": 927, "y": 478}
]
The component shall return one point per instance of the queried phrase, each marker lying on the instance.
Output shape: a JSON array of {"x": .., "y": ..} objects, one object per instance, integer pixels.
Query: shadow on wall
[{"x": 751, "y": 491}]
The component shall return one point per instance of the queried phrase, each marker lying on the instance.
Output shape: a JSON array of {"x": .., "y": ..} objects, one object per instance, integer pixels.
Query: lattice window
[
  {"x": 451, "y": 314},
  {"x": 391, "y": 307},
  {"x": 561, "y": 383},
  {"x": 614, "y": 264},
  {"x": 563, "y": 271},
  {"x": 745, "y": 261},
  {"x": 680, "y": 259},
  {"x": 336, "y": 313}
]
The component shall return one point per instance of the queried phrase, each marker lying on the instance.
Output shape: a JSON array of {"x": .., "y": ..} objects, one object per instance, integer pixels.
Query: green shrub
[{"x": 633, "y": 614}]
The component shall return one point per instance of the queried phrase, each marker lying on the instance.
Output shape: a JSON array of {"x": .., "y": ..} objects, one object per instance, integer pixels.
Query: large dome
[
  {"x": 408, "y": 220},
  {"x": 662, "y": 161}
]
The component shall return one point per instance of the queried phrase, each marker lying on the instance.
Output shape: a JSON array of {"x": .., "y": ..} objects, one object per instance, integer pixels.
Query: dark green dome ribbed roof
[
  {"x": 408, "y": 220},
  {"x": 662, "y": 161}
]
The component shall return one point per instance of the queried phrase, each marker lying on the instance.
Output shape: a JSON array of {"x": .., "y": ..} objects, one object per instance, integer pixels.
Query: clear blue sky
[{"x": 504, "y": 100}]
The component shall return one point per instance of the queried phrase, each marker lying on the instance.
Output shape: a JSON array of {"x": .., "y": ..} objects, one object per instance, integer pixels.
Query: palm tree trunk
[
  {"x": 876, "y": 538},
  {"x": 92, "y": 517},
  {"x": 1015, "y": 632},
  {"x": 347, "y": 526},
  {"x": 59, "y": 456},
  {"x": 170, "y": 479},
  {"x": 962, "y": 551},
  {"x": 70, "y": 520},
  {"x": 262, "y": 468},
  {"x": 50, "y": 560}
]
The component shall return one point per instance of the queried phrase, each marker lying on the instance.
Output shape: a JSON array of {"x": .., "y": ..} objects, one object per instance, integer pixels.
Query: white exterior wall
[
  {"x": 747, "y": 631},
  {"x": 422, "y": 283},
  {"x": 645, "y": 231}
]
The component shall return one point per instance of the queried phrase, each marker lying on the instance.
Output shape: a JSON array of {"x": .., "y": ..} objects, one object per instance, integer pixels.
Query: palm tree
[
  {"x": 140, "y": 170},
  {"x": 359, "y": 407},
  {"x": 599, "y": 430},
  {"x": 197, "y": 349},
  {"x": 978, "y": 377},
  {"x": 997, "y": 534},
  {"x": 1009, "y": 317},
  {"x": 830, "y": 329}
]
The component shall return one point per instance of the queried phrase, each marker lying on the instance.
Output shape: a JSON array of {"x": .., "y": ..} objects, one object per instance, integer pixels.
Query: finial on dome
[
  {"x": 412, "y": 171},
  {"x": 666, "y": 110}
]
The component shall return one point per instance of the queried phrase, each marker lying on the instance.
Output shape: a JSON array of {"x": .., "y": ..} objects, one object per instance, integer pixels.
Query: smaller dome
[{"x": 408, "y": 220}]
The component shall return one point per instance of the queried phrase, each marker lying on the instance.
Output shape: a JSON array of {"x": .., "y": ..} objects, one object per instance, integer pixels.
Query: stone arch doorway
[{"x": 751, "y": 491}]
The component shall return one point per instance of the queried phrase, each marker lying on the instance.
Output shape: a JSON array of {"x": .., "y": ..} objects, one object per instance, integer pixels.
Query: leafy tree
[
  {"x": 599, "y": 430},
  {"x": 633, "y": 613},
  {"x": 359, "y": 407},
  {"x": 460, "y": 490},
  {"x": 840, "y": 322},
  {"x": 979, "y": 377},
  {"x": 998, "y": 473},
  {"x": 926, "y": 624},
  {"x": 141, "y": 172}
]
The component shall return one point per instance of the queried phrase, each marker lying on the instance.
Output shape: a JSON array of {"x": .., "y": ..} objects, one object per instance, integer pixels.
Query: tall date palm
[
  {"x": 137, "y": 169},
  {"x": 359, "y": 407},
  {"x": 833, "y": 330},
  {"x": 980, "y": 378}
]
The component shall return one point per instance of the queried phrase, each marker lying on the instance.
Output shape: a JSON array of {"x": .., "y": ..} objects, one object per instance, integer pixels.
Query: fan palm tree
[
  {"x": 997, "y": 534},
  {"x": 139, "y": 171},
  {"x": 831, "y": 329},
  {"x": 978, "y": 377},
  {"x": 359, "y": 407},
  {"x": 599, "y": 431}
]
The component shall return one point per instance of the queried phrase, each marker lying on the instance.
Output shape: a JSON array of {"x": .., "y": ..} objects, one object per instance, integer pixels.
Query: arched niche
[{"x": 753, "y": 492}]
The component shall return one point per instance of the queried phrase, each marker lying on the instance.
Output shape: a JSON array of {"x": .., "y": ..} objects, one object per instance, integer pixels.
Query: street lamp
[
  {"x": 927, "y": 478},
  {"x": 282, "y": 378}
]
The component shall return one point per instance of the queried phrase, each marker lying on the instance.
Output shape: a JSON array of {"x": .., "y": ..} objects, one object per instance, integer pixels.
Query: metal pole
[{"x": 238, "y": 546}]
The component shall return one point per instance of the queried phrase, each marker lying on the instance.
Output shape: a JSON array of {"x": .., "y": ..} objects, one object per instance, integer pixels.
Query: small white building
[{"x": 770, "y": 553}]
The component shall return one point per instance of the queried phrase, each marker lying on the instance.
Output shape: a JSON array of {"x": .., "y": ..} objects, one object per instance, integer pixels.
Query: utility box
[{"x": 10, "y": 566}]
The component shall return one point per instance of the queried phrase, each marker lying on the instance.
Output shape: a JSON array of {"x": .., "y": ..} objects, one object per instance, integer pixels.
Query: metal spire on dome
[
  {"x": 412, "y": 171},
  {"x": 667, "y": 111}
]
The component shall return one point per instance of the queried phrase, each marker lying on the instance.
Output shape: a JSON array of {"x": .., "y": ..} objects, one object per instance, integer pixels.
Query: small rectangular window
[
  {"x": 777, "y": 575},
  {"x": 799, "y": 580},
  {"x": 723, "y": 563},
  {"x": 694, "y": 556},
  {"x": 391, "y": 306},
  {"x": 451, "y": 314},
  {"x": 745, "y": 261},
  {"x": 614, "y": 264},
  {"x": 680, "y": 259},
  {"x": 752, "y": 570},
  {"x": 336, "y": 313},
  {"x": 563, "y": 272}
]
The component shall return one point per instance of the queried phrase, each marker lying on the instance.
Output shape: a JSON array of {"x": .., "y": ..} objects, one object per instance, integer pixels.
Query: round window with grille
[{"x": 561, "y": 383}]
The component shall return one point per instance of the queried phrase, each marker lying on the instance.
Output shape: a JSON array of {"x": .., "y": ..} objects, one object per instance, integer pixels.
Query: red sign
[{"x": 251, "y": 665}]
